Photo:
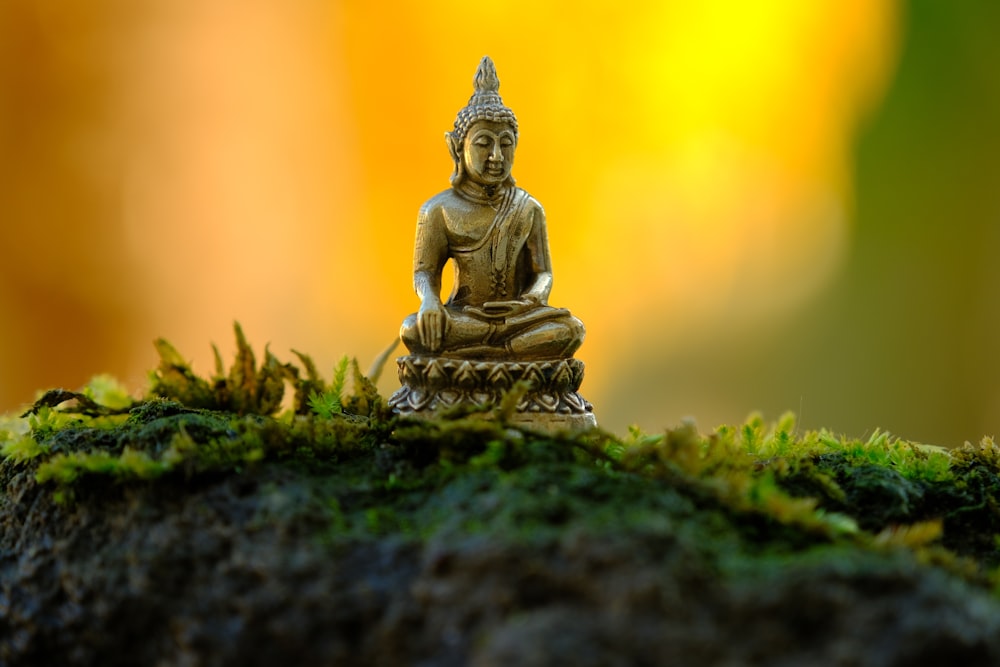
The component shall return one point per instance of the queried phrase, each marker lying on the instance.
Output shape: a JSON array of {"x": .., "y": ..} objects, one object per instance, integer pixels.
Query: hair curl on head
[{"x": 485, "y": 103}]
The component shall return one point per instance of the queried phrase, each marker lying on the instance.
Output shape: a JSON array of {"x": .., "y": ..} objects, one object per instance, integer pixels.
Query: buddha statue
[
  {"x": 497, "y": 321},
  {"x": 494, "y": 232}
]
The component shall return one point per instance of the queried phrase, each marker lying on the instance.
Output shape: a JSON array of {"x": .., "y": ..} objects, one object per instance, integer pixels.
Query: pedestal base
[{"x": 552, "y": 404}]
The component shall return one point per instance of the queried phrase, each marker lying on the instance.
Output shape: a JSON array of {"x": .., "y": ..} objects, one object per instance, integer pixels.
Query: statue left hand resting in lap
[{"x": 494, "y": 233}]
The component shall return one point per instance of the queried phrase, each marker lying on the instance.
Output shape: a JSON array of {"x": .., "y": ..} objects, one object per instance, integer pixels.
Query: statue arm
[
  {"x": 429, "y": 257},
  {"x": 541, "y": 266},
  {"x": 430, "y": 253},
  {"x": 427, "y": 287}
]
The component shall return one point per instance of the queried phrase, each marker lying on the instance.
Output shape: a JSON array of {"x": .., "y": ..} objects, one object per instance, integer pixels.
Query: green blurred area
[{"x": 906, "y": 337}]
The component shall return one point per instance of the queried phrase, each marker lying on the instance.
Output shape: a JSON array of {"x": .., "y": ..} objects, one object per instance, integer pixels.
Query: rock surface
[{"x": 399, "y": 555}]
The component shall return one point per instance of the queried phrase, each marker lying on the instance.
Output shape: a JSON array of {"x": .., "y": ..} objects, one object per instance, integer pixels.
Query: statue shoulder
[
  {"x": 433, "y": 206},
  {"x": 532, "y": 205}
]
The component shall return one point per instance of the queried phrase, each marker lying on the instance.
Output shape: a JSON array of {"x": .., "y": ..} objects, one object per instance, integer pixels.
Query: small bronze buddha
[{"x": 496, "y": 327}]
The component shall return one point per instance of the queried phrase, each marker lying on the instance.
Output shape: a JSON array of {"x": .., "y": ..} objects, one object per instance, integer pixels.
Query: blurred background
[{"x": 752, "y": 206}]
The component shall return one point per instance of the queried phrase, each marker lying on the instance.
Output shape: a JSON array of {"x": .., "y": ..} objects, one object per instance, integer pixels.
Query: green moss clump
[
  {"x": 770, "y": 489},
  {"x": 20, "y": 448}
]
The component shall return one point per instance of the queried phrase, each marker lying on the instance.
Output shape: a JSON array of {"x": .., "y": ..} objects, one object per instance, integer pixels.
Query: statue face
[{"x": 489, "y": 152}]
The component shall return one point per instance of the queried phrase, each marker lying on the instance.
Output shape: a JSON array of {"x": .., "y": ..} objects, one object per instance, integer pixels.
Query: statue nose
[{"x": 496, "y": 155}]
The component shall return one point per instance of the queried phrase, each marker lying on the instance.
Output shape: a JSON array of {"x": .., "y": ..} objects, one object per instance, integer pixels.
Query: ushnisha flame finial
[{"x": 486, "y": 80}]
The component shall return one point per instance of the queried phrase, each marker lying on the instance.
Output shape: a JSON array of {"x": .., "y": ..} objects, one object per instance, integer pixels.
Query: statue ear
[{"x": 455, "y": 149}]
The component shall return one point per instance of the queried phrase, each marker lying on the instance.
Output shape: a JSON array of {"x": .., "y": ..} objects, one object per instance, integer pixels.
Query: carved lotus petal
[
  {"x": 533, "y": 374},
  {"x": 573, "y": 402},
  {"x": 548, "y": 402},
  {"x": 500, "y": 377},
  {"x": 435, "y": 373},
  {"x": 448, "y": 398},
  {"x": 465, "y": 376},
  {"x": 481, "y": 397},
  {"x": 419, "y": 399},
  {"x": 563, "y": 376},
  {"x": 398, "y": 398},
  {"x": 408, "y": 371}
]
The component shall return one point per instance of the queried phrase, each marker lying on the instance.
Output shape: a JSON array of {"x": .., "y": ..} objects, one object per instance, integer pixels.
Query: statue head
[{"x": 485, "y": 135}]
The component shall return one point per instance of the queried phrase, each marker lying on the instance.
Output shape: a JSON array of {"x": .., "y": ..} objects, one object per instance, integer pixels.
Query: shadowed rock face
[{"x": 554, "y": 563}]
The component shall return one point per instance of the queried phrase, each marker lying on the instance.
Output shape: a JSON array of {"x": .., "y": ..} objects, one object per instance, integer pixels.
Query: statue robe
[{"x": 497, "y": 254}]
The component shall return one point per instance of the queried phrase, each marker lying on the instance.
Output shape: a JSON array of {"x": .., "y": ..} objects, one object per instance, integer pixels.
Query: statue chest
[{"x": 466, "y": 229}]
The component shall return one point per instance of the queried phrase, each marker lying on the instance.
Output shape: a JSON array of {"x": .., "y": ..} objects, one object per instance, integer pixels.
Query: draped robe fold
[{"x": 498, "y": 264}]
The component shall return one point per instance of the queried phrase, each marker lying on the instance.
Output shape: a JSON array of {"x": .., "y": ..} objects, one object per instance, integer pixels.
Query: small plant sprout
[{"x": 331, "y": 402}]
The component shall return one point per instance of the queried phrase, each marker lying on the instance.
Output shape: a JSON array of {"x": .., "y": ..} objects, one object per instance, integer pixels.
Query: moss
[
  {"x": 756, "y": 490},
  {"x": 354, "y": 523},
  {"x": 331, "y": 402},
  {"x": 20, "y": 448}
]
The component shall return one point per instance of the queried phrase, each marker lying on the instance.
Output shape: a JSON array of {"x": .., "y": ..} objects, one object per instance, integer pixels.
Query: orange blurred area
[{"x": 169, "y": 167}]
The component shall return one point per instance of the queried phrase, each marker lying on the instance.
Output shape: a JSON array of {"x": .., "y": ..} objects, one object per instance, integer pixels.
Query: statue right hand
[{"x": 431, "y": 319}]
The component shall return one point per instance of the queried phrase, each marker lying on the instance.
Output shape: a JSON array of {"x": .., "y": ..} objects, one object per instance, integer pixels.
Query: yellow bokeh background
[{"x": 171, "y": 166}]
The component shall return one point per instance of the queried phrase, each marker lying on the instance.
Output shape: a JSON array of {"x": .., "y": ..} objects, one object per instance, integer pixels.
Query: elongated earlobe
[{"x": 455, "y": 150}]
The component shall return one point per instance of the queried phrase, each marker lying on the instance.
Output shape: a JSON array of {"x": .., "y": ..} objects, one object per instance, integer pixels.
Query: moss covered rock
[{"x": 201, "y": 529}]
